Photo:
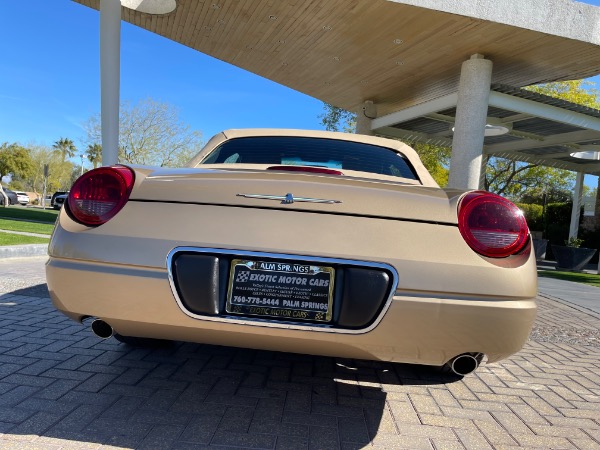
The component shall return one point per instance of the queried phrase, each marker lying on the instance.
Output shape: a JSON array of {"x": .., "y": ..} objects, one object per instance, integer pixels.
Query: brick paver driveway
[{"x": 61, "y": 387}]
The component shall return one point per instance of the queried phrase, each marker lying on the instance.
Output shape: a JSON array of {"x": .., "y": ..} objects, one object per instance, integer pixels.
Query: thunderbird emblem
[{"x": 289, "y": 198}]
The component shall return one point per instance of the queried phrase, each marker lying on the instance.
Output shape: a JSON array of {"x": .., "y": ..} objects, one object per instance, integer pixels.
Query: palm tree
[
  {"x": 66, "y": 147},
  {"x": 94, "y": 154}
]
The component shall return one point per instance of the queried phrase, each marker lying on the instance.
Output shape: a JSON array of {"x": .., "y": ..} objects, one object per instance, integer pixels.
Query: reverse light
[
  {"x": 98, "y": 195},
  {"x": 492, "y": 225}
]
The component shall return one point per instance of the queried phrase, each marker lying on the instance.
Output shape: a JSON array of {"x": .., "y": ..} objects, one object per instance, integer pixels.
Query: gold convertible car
[{"x": 299, "y": 241}]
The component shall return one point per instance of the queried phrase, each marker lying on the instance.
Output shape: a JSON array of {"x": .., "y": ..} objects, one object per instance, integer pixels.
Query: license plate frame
[{"x": 281, "y": 290}]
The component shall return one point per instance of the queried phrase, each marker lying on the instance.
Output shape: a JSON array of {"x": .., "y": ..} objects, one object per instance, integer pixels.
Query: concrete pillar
[
  {"x": 576, "y": 210},
  {"x": 110, "y": 42},
  {"x": 469, "y": 126},
  {"x": 364, "y": 116}
]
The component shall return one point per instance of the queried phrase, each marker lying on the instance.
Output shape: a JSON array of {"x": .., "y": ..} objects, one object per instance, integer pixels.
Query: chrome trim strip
[
  {"x": 270, "y": 322},
  {"x": 289, "y": 198}
]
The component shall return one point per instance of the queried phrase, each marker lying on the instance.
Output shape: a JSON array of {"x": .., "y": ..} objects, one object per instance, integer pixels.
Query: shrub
[
  {"x": 559, "y": 213},
  {"x": 533, "y": 215}
]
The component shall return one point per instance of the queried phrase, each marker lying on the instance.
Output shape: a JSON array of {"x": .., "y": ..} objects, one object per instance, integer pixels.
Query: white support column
[
  {"x": 471, "y": 117},
  {"x": 364, "y": 117},
  {"x": 110, "y": 42},
  {"x": 576, "y": 210}
]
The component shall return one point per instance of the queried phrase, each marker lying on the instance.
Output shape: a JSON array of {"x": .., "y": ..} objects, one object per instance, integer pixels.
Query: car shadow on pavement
[
  {"x": 61, "y": 385},
  {"x": 38, "y": 290}
]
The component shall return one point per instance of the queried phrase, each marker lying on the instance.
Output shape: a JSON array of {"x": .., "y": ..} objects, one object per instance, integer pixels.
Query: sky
[
  {"x": 50, "y": 82},
  {"x": 50, "y": 78}
]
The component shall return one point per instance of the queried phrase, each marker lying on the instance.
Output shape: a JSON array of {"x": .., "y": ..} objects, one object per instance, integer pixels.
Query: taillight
[
  {"x": 98, "y": 195},
  {"x": 492, "y": 225}
]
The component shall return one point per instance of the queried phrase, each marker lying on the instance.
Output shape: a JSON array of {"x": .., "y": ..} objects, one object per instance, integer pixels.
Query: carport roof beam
[
  {"x": 432, "y": 106},
  {"x": 523, "y": 105}
]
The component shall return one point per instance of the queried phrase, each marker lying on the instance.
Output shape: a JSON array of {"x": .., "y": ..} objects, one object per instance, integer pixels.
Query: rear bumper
[{"x": 417, "y": 327}]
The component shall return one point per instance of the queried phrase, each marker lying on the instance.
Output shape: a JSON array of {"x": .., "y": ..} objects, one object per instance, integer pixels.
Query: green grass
[
  {"x": 36, "y": 214},
  {"x": 18, "y": 239},
  {"x": 577, "y": 277},
  {"x": 30, "y": 227}
]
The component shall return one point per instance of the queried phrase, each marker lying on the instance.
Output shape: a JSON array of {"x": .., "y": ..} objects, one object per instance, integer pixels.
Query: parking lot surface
[{"x": 63, "y": 388}]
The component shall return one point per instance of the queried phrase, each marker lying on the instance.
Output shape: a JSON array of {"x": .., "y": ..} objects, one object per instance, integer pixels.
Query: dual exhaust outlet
[{"x": 460, "y": 365}]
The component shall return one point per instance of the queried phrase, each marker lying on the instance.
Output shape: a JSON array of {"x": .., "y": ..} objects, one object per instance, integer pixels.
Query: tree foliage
[
  {"x": 527, "y": 182},
  {"x": 337, "y": 119},
  {"x": 150, "y": 133},
  {"x": 59, "y": 171},
  {"x": 94, "y": 154},
  {"x": 581, "y": 92},
  {"x": 14, "y": 162},
  {"x": 26, "y": 166},
  {"x": 65, "y": 147},
  {"x": 436, "y": 160}
]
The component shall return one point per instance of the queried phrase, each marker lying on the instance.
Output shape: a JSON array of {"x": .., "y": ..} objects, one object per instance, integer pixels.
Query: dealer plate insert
[{"x": 280, "y": 289}]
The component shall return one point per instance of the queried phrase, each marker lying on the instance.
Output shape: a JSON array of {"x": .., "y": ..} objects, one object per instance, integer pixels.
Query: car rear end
[
  {"x": 22, "y": 198},
  {"x": 386, "y": 270}
]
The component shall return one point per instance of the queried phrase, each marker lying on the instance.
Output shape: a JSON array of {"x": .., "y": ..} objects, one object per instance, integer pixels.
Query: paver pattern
[{"x": 63, "y": 388}]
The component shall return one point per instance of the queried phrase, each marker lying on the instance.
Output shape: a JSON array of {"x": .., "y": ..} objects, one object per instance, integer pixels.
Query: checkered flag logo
[{"x": 242, "y": 276}]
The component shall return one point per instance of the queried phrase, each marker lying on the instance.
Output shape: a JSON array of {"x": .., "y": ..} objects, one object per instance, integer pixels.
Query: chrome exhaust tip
[
  {"x": 465, "y": 364},
  {"x": 102, "y": 329}
]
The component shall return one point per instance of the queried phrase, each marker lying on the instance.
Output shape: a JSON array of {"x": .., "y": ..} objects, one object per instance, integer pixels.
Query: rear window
[{"x": 316, "y": 152}]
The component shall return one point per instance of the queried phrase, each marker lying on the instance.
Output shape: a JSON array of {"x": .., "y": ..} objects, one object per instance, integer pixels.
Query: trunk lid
[{"x": 349, "y": 195}]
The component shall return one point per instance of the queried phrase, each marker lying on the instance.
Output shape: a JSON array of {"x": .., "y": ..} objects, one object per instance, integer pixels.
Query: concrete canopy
[
  {"x": 396, "y": 53},
  {"x": 538, "y": 129},
  {"x": 404, "y": 57}
]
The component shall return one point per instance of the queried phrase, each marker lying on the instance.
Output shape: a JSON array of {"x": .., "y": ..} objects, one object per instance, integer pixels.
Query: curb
[
  {"x": 20, "y": 251},
  {"x": 570, "y": 304}
]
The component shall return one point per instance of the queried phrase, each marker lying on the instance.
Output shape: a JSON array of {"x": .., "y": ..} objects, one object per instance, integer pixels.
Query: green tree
[
  {"x": 14, "y": 161},
  {"x": 337, "y": 119},
  {"x": 436, "y": 160},
  {"x": 527, "y": 183},
  {"x": 66, "y": 148},
  {"x": 59, "y": 171},
  {"x": 94, "y": 154},
  {"x": 581, "y": 92},
  {"x": 150, "y": 133}
]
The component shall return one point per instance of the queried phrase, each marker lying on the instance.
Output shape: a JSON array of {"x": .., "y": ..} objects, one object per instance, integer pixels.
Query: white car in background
[{"x": 22, "y": 198}]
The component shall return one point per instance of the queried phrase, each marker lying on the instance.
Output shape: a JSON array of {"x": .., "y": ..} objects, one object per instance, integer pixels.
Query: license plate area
[{"x": 282, "y": 290}]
